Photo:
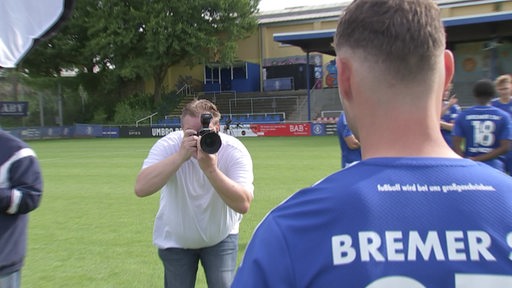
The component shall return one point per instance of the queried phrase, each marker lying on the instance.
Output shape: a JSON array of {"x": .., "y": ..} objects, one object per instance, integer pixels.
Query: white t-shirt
[{"x": 192, "y": 214}]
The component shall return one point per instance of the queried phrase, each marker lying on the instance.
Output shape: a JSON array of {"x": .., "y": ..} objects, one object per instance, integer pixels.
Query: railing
[
  {"x": 261, "y": 104},
  {"x": 150, "y": 119},
  {"x": 212, "y": 95},
  {"x": 237, "y": 118},
  {"x": 335, "y": 113},
  {"x": 270, "y": 117},
  {"x": 185, "y": 89},
  {"x": 307, "y": 102}
]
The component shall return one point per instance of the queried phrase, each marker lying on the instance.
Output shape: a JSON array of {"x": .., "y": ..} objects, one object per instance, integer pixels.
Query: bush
[{"x": 132, "y": 109}]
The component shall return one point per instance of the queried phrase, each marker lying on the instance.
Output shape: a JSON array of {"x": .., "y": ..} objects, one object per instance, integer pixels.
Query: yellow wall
[
  {"x": 249, "y": 49},
  {"x": 262, "y": 46},
  {"x": 149, "y": 85},
  {"x": 173, "y": 75},
  {"x": 272, "y": 49},
  {"x": 475, "y": 8},
  {"x": 506, "y": 6}
]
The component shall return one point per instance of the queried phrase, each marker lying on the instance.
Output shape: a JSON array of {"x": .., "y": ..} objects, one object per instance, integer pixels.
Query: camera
[{"x": 210, "y": 141}]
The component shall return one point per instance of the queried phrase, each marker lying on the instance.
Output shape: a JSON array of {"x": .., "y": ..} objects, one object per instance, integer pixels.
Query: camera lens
[{"x": 210, "y": 142}]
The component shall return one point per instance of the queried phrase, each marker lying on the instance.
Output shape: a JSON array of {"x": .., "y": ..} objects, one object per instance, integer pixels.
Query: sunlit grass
[{"x": 92, "y": 231}]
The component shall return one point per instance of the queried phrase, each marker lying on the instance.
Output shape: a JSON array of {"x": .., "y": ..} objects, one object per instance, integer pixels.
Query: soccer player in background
[
  {"x": 503, "y": 85},
  {"x": 487, "y": 130},
  {"x": 21, "y": 186},
  {"x": 449, "y": 113},
  {"x": 412, "y": 213},
  {"x": 349, "y": 145}
]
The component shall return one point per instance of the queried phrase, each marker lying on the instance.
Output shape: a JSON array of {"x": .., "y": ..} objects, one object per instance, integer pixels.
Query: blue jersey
[
  {"x": 348, "y": 155},
  {"x": 505, "y": 107},
  {"x": 483, "y": 127},
  {"x": 449, "y": 116},
  {"x": 389, "y": 222}
]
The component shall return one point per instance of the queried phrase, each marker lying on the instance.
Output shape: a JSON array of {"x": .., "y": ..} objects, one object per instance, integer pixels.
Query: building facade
[{"x": 291, "y": 51}]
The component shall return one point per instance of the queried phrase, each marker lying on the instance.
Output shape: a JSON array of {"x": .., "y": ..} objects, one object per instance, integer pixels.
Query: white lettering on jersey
[
  {"x": 454, "y": 248},
  {"x": 509, "y": 243},
  {"x": 461, "y": 281},
  {"x": 483, "y": 117}
]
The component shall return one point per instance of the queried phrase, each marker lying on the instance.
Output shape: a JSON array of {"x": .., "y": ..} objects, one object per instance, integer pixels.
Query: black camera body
[{"x": 210, "y": 140}]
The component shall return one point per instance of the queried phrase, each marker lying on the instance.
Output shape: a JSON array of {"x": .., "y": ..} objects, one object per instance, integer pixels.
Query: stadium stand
[{"x": 265, "y": 107}]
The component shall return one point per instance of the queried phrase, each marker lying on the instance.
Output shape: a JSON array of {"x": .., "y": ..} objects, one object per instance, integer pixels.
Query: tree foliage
[
  {"x": 132, "y": 40},
  {"x": 114, "y": 43}
]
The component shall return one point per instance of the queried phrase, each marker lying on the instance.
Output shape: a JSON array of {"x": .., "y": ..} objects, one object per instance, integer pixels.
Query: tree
[
  {"x": 66, "y": 50},
  {"x": 146, "y": 38},
  {"x": 133, "y": 40}
]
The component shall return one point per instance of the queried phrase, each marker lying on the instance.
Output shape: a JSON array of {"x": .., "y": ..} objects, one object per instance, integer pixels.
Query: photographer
[
  {"x": 227, "y": 126},
  {"x": 203, "y": 197}
]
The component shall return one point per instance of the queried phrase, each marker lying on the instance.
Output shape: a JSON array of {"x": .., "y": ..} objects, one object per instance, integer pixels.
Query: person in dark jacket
[{"x": 21, "y": 187}]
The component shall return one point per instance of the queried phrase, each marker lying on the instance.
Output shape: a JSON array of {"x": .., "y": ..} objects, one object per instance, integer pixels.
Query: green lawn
[{"x": 92, "y": 231}]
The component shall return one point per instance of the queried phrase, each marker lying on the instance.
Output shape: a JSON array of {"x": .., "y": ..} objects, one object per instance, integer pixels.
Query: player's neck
[
  {"x": 482, "y": 102},
  {"x": 404, "y": 135},
  {"x": 408, "y": 148},
  {"x": 505, "y": 99}
]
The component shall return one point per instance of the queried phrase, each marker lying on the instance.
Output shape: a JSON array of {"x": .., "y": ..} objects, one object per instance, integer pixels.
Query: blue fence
[
  {"x": 100, "y": 131},
  {"x": 75, "y": 131}
]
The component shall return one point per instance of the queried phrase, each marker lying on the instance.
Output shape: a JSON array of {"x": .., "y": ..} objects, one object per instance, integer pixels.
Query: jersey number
[
  {"x": 461, "y": 281},
  {"x": 483, "y": 133}
]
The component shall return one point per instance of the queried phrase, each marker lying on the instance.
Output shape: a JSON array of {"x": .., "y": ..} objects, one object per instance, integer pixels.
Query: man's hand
[
  {"x": 189, "y": 145},
  {"x": 207, "y": 162},
  {"x": 453, "y": 101}
]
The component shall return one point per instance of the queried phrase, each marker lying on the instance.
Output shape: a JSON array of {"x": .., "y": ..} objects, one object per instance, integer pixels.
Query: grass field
[{"x": 92, "y": 231}]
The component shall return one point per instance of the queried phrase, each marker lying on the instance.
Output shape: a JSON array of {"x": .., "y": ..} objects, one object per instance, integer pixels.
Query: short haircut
[
  {"x": 484, "y": 89},
  {"x": 503, "y": 80},
  {"x": 405, "y": 37},
  {"x": 197, "y": 107}
]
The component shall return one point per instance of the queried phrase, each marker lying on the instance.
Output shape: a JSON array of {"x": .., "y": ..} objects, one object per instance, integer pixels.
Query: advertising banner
[
  {"x": 239, "y": 130},
  {"x": 330, "y": 129},
  {"x": 88, "y": 130},
  {"x": 145, "y": 132},
  {"x": 322, "y": 129},
  {"x": 110, "y": 132},
  {"x": 293, "y": 129},
  {"x": 34, "y": 133},
  {"x": 57, "y": 132},
  {"x": 13, "y": 108},
  {"x": 317, "y": 129}
]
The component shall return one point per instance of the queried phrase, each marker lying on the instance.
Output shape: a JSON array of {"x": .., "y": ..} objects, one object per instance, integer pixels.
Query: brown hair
[
  {"x": 198, "y": 107},
  {"x": 404, "y": 37},
  {"x": 503, "y": 79}
]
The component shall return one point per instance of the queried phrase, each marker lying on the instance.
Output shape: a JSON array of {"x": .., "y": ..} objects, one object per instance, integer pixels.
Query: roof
[
  {"x": 459, "y": 29},
  {"x": 302, "y": 13},
  {"x": 478, "y": 19},
  {"x": 310, "y": 41}
]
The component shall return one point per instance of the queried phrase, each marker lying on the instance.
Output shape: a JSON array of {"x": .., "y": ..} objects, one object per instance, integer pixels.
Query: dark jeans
[
  {"x": 218, "y": 261},
  {"x": 11, "y": 280}
]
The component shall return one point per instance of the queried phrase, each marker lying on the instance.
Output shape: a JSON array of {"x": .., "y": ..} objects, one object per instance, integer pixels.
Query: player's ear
[
  {"x": 449, "y": 67},
  {"x": 344, "y": 71}
]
